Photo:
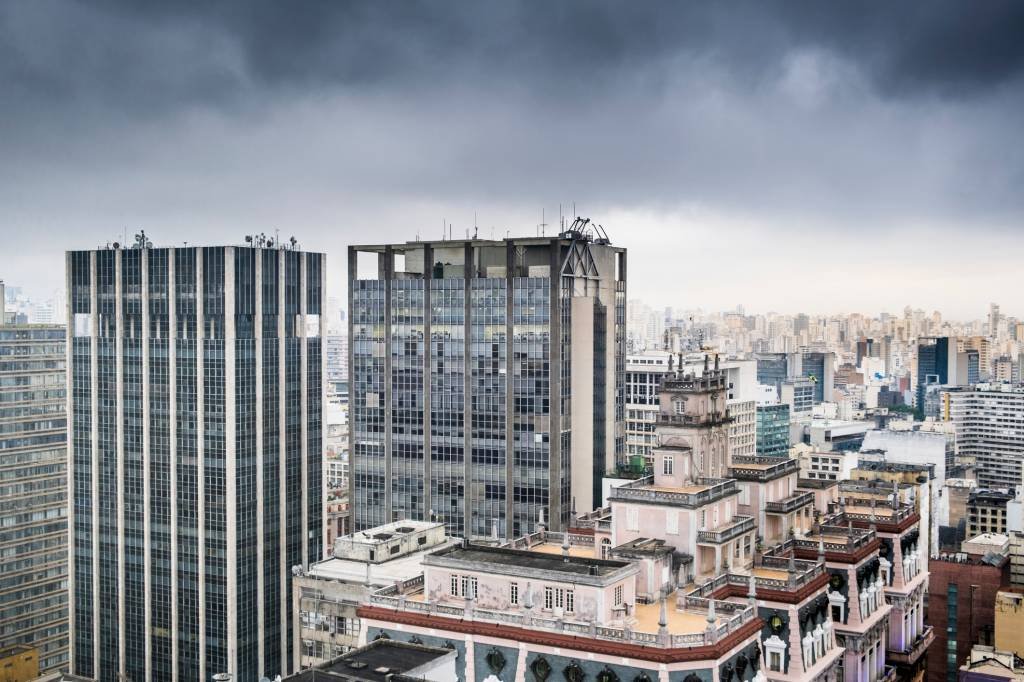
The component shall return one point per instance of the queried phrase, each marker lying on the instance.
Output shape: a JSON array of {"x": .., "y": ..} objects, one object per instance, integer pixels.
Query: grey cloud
[
  {"x": 874, "y": 117},
  {"x": 159, "y": 54}
]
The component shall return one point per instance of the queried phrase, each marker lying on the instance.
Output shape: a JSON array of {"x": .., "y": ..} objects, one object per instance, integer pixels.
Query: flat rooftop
[
  {"x": 375, "y": 662},
  {"x": 400, "y": 568},
  {"x": 679, "y": 622},
  {"x": 389, "y": 531},
  {"x": 770, "y": 573},
  {"x": 882, "y": 511},
  {"x": 502, "y": 557},
  {"x": 555, "y": 548},
  {"x": 692, "y": 488}
]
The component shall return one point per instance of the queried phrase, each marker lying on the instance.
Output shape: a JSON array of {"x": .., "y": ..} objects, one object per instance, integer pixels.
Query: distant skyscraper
[
  {"x": 819, "y": 367},
  {"x": 33, "y": 492},
  {"x": 195, "y": 418},
  {"x": 936, "y": 363},
  {"x": 774, "y": 368},
  {"x": 336, "y": 358},
  {"x": 487, "y": 380},
  {"x": 994, "y": 319}
]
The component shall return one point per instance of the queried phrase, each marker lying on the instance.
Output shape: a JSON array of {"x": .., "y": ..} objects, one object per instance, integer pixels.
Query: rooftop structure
[{"x": 326, "y": 595}]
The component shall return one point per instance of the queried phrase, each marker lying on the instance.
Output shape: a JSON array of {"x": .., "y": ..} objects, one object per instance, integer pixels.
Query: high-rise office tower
[
  {"x": 819, "y": 367},
  {"x": 195, "y": 383},
  {"x": 989, "y": 422},
  {"x": 936, "y": 363},
  {"x": 487, "y": 379},
  {"x": 33, "y": 491},
  {"x": 775, "y": 368},
  {"x": 773, "y": 430}
]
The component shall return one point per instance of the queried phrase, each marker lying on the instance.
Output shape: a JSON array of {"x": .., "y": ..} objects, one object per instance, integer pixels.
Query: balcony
[
  {"x": 837, "y": 540},
  {"x": 705, "y": 491},
  {"x": 763, "y": 468},
  {"x": 739, "y": 526},
  {"x": 913, "y": 653},
  {"x": 774, "y": 573},
  {"x": 789, "y": 504},
  {"x": 710, "y": 419}
]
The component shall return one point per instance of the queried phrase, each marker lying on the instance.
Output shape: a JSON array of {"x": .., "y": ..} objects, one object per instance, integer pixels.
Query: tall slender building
[
  {"x": 33, "y": 491},
  {"x": 487, "y": 379},
  {"x": 195, "y": 385}
]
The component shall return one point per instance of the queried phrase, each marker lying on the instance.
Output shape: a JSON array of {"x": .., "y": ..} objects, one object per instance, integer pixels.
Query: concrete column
[
  {"x": 282, "y": 469},
  {"x": 470, "y": 659},
  {"x": 172, "y": 389},
  {"x": 230, "y": 463},
  {"x": 119, "y": 447},
  {"x": 69, "y": 341},
  {"x": 147, "y": 481},
  {"x": 521, "y": 664},
  {"x": 201, "y": 460},
  {"x": 94, "y": 447},
  {"x": 260, "y": 521}
]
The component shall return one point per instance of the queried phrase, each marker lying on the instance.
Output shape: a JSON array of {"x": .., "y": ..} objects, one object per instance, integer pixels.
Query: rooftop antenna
[{"x": 543, "y": 225}]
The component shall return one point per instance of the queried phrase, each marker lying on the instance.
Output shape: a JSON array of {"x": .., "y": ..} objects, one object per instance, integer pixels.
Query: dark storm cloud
[
  {"x": 824, "y": 118},
  {"x": 156, "y": 55}
]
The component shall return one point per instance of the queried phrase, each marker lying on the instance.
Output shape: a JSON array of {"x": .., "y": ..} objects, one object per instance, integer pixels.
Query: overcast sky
[{"x": 816, "y": 156}]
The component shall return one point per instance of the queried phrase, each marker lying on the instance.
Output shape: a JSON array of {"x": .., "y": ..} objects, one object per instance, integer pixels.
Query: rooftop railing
[
  {"x": 840, "y": 539},
  {"x": 795, "y": 501},
  {"x": 641, "y": 490},
  {"x": 710, "y": 419},
  {"x": 882, "y": 513},
  {"x": 738, "y": 526},
  {"x": 776, "y": 467},
  {"x": 730, "y": 617}
]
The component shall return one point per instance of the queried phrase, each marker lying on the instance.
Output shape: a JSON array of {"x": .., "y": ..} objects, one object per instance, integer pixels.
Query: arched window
[{"x": 606, "y": 548}]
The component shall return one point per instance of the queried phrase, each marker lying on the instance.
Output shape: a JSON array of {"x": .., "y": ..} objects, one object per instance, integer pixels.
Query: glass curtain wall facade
[
  {"x": 773, "y": 430},
  {"x": 33, "y": 492},
  {"x": 192, "y": 370},
  {"x": 461, "y": 379}
]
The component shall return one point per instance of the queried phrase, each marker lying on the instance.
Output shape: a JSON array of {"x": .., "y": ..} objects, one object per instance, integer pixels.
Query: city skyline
[{"x": 578, "y": 341}]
